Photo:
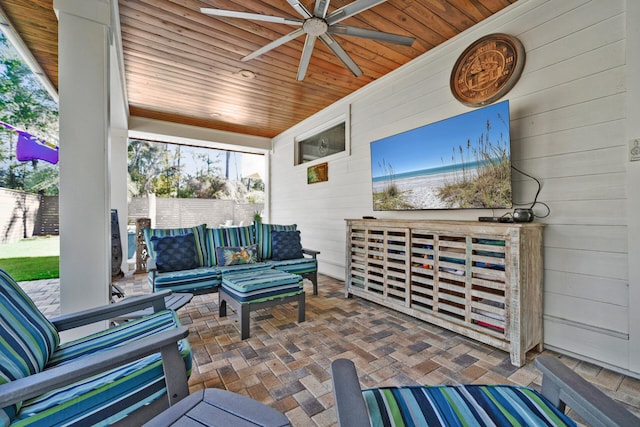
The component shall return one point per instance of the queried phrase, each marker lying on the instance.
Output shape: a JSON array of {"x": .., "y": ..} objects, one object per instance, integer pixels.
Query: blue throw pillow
[
  {"x": 174, "y": 253},
  {"x": 285, "y": 245},
  {"x": 236, "y": 255}
]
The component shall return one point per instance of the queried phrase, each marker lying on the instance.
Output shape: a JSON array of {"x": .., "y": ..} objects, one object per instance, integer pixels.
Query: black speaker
[
  {"x": 523, "y": 215},
  {"x": 116, "y": 245}
]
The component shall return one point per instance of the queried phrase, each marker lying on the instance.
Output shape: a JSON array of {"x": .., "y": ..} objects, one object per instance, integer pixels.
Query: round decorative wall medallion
[{"x": 487, "y": 69}]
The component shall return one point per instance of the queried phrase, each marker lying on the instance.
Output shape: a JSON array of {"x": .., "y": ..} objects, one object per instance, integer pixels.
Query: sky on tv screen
[
  {"x": 431, "y": 146},
  {"x": 452, "y": 150}
]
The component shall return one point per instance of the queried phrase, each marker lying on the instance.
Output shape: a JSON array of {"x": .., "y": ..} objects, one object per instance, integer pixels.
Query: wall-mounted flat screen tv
[{"x": 463, "y": 162}]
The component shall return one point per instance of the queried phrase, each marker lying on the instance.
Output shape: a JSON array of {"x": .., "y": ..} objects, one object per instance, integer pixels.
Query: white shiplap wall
[{"x": 568, "y": 121}]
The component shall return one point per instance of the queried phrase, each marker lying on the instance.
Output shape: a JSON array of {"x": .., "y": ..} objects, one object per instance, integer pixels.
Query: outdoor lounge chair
[
  {"x": 479, "y": 405},
  {"x": 126, "y": 374}
]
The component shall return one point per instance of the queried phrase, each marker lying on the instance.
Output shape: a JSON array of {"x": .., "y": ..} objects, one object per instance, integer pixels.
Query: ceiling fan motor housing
[{"x": 315, "y": 26}]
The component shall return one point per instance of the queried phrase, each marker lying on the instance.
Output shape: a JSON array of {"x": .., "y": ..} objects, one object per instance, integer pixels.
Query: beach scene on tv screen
[{"x": 462, "y": 162}]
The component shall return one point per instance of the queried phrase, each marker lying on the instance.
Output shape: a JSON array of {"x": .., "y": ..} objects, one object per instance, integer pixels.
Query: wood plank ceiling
[{"x": 184, "y": 67}]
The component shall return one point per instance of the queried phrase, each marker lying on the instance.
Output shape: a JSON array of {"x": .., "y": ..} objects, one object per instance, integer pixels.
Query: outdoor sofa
[{"x": 194, "y": 259}]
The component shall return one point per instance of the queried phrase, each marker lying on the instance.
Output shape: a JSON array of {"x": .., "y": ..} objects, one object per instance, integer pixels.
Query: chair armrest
[
  {"x": 350, "y": 406},
  {"x": 310, "y": 252},
  {"x": 165, "y": 342},
  {"x": 563, "y": 386},
  {"x": 110, "y": 311}
]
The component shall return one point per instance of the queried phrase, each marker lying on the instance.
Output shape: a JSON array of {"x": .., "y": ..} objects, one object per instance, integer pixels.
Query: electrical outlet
[{"x": 634, "y": 150}]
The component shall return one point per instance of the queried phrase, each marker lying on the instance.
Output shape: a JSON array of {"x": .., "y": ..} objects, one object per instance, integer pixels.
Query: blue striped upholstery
[
  {"x": 261, "y": 285},
  {"x": 295, "y": 266},
  {"x": 114, "y": 337},
  {"x": 463, "y": 405},
  {"x": 229, "y": 236},
  {"x": 198, "y": 234},
  {"x": 100, "y": 396},
  {"x": 262, "y": 234},
  {"x": 243, "y": 268},
  {"x": 27, "y": 338},
  {"x": 208, "y": 275},
  {"x": 29, "y": 344},
  {"x": 186, "y": 280}
]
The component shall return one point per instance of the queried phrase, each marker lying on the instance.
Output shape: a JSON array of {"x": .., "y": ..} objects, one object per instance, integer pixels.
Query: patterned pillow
[
  {"x": 27, "y": 338},
  {"x": 174, "y": 253},
  {"x": 285, "y": 245},
  {"x": 236, "y": 255},
  {"x": 198, "y": 234},
  {"x": 263, "y": 237}
]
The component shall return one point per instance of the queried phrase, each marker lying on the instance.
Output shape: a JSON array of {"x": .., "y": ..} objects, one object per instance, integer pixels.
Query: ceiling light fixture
[{"x": 246, "y": 74}]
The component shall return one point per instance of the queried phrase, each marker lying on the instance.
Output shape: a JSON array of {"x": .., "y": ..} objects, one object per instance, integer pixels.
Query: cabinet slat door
[{"x": 482, "y": 280}]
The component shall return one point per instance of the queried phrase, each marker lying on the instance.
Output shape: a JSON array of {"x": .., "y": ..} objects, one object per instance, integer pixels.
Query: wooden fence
[{"x": 25, "y": 215}]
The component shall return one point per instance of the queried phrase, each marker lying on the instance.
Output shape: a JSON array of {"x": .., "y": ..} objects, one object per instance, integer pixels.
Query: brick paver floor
[{"x": 286, "y": 365}]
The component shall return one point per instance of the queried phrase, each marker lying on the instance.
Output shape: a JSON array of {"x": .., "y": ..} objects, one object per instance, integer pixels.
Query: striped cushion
[
  {"x": 243, "y": 268},
  {"x": 110, "y": 395},
  {"x": 296, "y": 266},
  {"x": 186, "y": 280},
  {"x": 198, "y": 234},
  {"x": 27, "y": 338},
  {"x": 477, "y": 405},
  {"x": 264, "y": 294},
  {"x": 114, "y": 337},
  {"x": 230, "y": 236},
  {"x": 261, "y": 285},
  {"x": 263, "y": 237}
]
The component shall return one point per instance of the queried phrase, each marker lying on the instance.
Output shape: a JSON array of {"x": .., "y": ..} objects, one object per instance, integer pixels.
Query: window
[{"x": 327, "y": 140}]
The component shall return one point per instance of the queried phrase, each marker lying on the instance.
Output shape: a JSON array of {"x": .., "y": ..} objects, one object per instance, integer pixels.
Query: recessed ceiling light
[
  {"x": 246, "y": 74},
  {"x": 215, "y": 115}
]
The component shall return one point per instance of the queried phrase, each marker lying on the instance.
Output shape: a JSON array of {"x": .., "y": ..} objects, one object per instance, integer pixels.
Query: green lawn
[{"x": 32, "y": 259}]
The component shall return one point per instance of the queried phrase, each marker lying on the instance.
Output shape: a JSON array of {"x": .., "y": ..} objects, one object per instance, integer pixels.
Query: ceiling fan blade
[
  {"x": 251, "y": 16},
  {"x": 274, "y": 44},
  {"x": 371, "y": 34},
  {"x": 351, "y": 9},
  {"x": 299, "y": 7},
  {"x": 306, "y": 56},
  {"x": 341, "y": 54},
  {"x": 320, "y": 10}
]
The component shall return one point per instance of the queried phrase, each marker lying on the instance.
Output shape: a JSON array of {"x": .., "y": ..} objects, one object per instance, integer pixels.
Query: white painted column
[
  {"x": 85, "y": 239},
  {"x": 633, "y": 181}
]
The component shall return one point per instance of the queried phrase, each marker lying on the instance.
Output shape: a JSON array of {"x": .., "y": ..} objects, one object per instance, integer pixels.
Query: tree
[
  {"x": 172, "y": 170},
  {"x": 25, "y": 104}
]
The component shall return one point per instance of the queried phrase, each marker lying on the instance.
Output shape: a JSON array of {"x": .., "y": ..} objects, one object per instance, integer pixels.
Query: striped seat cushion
[
  {"x": 186, "y": 280},
  {"x": 296, "y": 266},
  {"x": 27, "y": 338},
  {"x": 113, "y": 337},
  {"x": 243, "y": 268},
  {"x": 463, "y": 405},
  {"x": 111, "y": 395},
  {"x": 229, "y": 236},
  {"x": 198, "y": 234},
  {"x": 261, "y": 285}
]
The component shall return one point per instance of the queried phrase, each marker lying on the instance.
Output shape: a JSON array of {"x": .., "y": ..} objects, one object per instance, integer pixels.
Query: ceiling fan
[{"x": 319, "y": 24}]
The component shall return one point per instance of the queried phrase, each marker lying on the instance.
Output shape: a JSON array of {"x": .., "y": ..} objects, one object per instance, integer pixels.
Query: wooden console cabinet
[{"x": 482, "y": 280}]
